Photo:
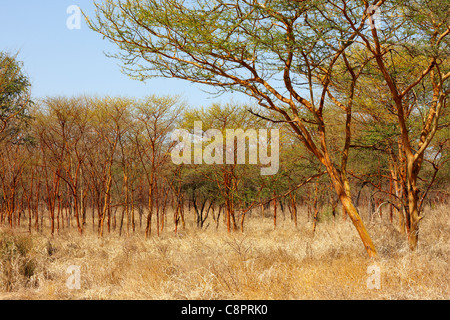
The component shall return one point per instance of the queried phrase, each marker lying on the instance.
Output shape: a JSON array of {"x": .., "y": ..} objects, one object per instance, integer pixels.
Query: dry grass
[{"x": 262, "y": 263}]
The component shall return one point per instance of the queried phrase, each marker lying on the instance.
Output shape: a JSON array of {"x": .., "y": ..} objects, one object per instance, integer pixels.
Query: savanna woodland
[{"x": 359, "y": 93}]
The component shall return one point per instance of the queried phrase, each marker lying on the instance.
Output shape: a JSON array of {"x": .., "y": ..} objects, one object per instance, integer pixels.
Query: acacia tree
[
  {"x": 111, "y": 121},
  {"x": 409, "y": 81},
  {"x": 219, "y": 181},
  {"x": 14, "y": 116},
  {"x": 281, "y": 53},
  {"x": 60, "y": 128},
  {"x": 155, "y": 118},
  {"x": 14, "y": 95},
  {"x": 12, "y": 165}
]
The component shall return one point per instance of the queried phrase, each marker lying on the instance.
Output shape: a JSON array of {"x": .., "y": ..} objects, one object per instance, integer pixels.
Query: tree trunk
[
  {"x": 413, "y": 215},
  {"x": 316, "y": 207},
  {"x": 274, "y": 211},
  {"x": 352, "y": 213},
  {"x": 151, "y": 191},
  {"x": 358, "y": 223}
]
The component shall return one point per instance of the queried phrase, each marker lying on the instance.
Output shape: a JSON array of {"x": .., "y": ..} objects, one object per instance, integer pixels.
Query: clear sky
[{"x": 67, "y": 62}]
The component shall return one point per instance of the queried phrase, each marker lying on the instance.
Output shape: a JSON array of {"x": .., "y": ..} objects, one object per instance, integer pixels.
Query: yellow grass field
[{"x": 260, "y": 264}]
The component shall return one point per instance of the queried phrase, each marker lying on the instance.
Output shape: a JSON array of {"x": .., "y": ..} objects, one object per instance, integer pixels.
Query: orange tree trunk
[
  {"x": 412, "y": 214},
  {"x": 352, "y": 212}
]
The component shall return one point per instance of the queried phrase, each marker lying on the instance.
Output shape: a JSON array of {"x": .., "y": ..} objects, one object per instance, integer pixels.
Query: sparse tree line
[
  {"x": 362, "y": 108},
  {"x": 105, "y": 164}
]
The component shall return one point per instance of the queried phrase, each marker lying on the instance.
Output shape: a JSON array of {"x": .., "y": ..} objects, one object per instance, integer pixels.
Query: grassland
[{"x": 262, "y": 263}]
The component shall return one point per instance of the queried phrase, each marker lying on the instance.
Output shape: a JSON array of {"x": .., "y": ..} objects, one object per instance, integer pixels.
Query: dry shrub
[{"x": 20, "y": 266}]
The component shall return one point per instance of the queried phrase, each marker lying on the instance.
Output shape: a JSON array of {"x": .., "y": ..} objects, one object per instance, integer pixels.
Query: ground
[{"x": 261, "y": 263}]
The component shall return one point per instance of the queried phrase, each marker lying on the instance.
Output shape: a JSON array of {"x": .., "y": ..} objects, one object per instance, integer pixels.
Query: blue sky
[{"x": 67, "y": 62}]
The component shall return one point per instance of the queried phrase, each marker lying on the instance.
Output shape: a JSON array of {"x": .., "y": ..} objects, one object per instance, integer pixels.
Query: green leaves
[{"x": 14, "y": 98}]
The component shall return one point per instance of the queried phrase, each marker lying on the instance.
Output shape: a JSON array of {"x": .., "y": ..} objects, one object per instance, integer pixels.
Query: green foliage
[{"x": 14, "y": 98}]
